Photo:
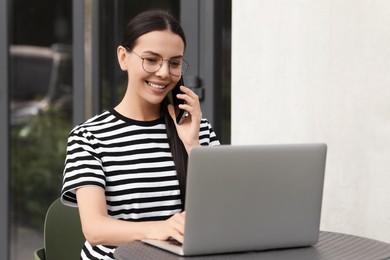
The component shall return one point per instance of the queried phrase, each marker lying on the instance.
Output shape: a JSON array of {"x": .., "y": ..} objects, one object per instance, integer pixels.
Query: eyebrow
[{"x": 154, "y": 53}]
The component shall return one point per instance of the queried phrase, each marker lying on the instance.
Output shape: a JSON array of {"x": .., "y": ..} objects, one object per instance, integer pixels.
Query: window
[
  {"x": 40, "y": 88},
  {"x": 45, "y": 81}
]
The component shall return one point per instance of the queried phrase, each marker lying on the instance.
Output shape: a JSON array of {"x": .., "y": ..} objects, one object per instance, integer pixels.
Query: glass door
[
  {"x": 40, "y": 79},
  {"x": 44, "y": 86}
]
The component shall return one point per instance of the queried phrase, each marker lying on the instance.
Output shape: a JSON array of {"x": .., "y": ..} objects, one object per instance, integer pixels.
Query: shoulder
[
  {"x": 96, "y": 122},
  {"x": 205, "y": 125},
  {"x": 207, "y": 135},
  {"x": 99, "y": 126},
  {"x": 91, "y": 132}
]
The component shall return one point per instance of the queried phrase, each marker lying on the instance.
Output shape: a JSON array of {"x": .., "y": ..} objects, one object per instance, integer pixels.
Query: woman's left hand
[{"x": 188, "y": 130}]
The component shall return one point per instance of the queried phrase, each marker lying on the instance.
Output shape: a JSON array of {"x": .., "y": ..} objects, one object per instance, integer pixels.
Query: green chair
[{"x": 63, "y": 238}]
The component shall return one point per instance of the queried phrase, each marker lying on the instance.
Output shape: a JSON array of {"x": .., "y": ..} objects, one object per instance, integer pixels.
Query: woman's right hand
[{"x": 170, "y": 228}]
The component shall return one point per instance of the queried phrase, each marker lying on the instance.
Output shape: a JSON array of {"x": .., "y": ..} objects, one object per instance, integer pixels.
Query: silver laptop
[{"x": 251, "y": 198}]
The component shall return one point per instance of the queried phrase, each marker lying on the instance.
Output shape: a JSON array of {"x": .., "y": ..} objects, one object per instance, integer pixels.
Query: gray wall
[{"x": 319, "y": 71}]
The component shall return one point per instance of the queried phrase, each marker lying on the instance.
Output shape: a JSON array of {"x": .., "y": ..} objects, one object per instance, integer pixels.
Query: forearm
[
  {"x": 107, "y": 231},
  {"x": 189, "y": 146},
  {"x": 99, "y": 228}
]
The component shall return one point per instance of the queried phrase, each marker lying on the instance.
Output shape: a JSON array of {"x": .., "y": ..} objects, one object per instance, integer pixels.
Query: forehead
[{"x": 165, "y": 43}]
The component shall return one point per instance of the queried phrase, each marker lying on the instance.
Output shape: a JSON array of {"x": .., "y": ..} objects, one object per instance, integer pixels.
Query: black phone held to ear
[{"x": 181, "y": 114}]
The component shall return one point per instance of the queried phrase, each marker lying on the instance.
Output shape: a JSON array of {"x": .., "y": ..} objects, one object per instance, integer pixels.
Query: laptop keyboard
[{"x": 174, "y": 242}]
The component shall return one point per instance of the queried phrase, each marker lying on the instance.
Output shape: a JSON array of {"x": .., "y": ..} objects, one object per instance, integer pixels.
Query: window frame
[{"x": 4, "y": 130}]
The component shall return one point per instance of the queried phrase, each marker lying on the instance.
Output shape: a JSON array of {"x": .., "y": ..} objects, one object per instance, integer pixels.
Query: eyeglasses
[{"x": 152, "y": 63}]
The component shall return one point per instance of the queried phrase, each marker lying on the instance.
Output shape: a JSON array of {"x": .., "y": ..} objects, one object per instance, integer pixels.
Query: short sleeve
[
  {"x": 207, "y": 136},
  {"x": 83, "y": 165}
]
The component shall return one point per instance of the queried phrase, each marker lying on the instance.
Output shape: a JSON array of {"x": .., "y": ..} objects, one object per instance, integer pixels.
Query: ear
[{"x": 122, "y": 57}]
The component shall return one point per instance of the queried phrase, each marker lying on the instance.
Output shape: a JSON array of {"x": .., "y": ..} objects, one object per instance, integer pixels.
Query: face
[{"x": 145, "y": 87}]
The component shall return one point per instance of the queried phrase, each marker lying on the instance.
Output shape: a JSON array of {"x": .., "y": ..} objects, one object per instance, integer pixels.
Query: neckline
[{"x": 134, "y": 121}]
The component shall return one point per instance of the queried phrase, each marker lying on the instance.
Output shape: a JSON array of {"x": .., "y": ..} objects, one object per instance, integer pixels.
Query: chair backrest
[{"x": 63, "y": 237}]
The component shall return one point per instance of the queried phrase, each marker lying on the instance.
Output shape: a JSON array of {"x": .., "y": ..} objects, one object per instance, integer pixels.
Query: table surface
[{"x": 331, "y": 246}]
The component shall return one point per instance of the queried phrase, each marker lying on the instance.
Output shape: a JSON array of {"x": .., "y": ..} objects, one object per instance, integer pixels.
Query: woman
[{"x": 125, "y": 168}]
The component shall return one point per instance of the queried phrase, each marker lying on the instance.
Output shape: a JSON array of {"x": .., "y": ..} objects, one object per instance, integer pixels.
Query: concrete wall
[{"x": 319, "y": 71}]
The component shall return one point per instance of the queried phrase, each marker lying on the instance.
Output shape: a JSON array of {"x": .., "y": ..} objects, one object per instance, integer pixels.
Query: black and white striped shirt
[{"x": 131, "y": 160}]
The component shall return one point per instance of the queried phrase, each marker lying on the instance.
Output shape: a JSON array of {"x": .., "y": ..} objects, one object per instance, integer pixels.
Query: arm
[{"x": 99, "y": 228}]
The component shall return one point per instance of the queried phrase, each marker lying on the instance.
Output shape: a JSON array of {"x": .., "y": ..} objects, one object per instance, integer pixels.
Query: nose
[{"x": 164, "y": 70}]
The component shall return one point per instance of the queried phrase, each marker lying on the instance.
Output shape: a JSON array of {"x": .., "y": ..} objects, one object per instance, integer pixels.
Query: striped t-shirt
[{"x": 131, "y": 160}]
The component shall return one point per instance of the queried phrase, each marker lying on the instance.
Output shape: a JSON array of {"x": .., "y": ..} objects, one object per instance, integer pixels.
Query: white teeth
[{"x": 156, "y": 86}]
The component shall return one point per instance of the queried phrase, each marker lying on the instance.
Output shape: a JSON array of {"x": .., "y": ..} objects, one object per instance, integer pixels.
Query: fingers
[
  {"x": 176, "y": 223},
  {"x": 188, "y": 95},
  {"x": 188, "y": 130},
  {"x": 192, "y": 102}
]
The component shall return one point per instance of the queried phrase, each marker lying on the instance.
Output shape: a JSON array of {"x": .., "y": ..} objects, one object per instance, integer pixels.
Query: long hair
[{"x": 157, "y": 20}]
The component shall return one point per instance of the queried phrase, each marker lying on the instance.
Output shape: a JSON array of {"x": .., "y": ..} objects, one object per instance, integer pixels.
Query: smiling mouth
[{"x": 155, "y": 85}]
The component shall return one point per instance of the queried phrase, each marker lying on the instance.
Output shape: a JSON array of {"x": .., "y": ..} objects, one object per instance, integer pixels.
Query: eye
[
  {"x": 153, "y": 60},
  {"x": 175, "y": 63}
]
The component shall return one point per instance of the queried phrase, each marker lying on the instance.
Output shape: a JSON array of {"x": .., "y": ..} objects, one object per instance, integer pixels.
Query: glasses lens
[
  {"x": 184, "y": 67},
  {"x": 152, "y": 64},
  {"x": 177, "y": 67}
]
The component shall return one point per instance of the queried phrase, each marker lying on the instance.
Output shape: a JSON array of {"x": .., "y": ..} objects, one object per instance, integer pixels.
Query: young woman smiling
[{"x": 126, "y": 168}]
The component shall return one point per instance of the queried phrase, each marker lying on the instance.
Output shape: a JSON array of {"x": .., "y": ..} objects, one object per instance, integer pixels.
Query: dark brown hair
[
  {"x": 148, "y": 21},
  {"x": 157, "y": 20}
]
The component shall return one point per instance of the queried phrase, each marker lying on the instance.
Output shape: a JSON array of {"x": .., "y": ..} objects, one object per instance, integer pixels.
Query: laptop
[{"x": 251, "y": 198}]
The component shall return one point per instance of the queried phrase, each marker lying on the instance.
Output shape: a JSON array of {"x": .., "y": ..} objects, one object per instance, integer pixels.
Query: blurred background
[{"x": 61, "y": 69}]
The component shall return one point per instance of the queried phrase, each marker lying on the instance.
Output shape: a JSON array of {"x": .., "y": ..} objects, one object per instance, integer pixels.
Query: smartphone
[{"x": 181, "y": 114}]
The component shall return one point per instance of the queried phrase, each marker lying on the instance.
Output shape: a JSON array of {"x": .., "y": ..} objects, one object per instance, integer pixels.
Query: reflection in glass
[
  {"x": 41, "y": 115},
  {"x": 41, "y": 98}
]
